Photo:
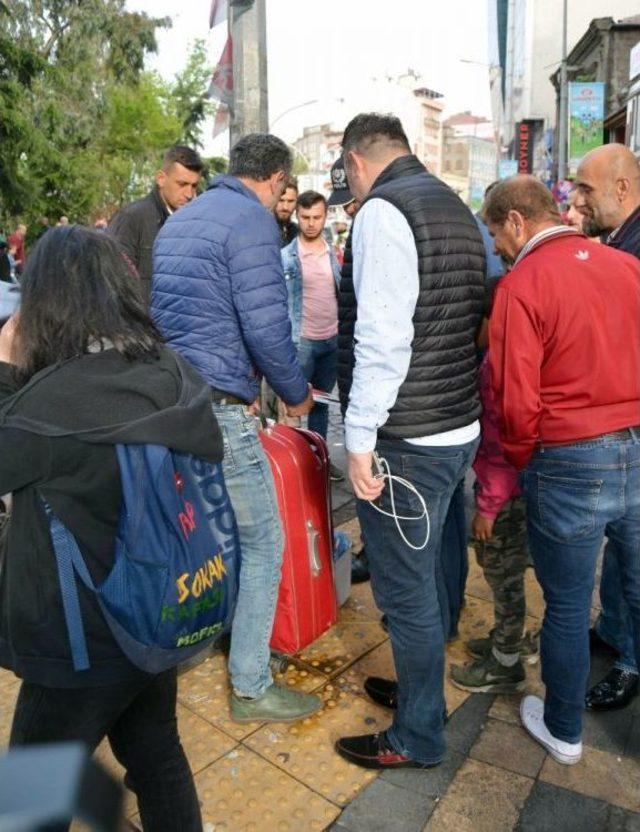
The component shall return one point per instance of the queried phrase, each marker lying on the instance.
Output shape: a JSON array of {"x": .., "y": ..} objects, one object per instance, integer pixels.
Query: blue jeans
[
  {"x": 319, "y": 360},
  {"x": 409, "y": 587},
  {"x": 614, "y": 623},
  {"x": 252, "y": 493},
  {"x": 573, "y": 494}
]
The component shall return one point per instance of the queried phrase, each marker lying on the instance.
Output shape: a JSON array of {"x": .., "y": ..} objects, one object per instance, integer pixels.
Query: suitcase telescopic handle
[{"x": 312, "y": 547}]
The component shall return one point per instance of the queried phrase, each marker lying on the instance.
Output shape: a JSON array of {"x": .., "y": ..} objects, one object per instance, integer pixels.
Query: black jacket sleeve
[{"x": 125, "y": 228}]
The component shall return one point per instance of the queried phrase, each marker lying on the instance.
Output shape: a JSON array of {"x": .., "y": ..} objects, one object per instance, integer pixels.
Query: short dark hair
[
  {"x": 78, "y": 289},
  {"x": 185, "y": 156},
  {"x": 368, "y": 133},
  {"x": 522, "y": 193},
  {"x": 310, "y": 198},
  {"x": 292, "y": 182},
  {"x": 258, "y": 156}
]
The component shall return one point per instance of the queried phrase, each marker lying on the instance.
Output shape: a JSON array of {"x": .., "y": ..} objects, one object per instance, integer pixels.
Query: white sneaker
[{"x": 532, "y": 716}]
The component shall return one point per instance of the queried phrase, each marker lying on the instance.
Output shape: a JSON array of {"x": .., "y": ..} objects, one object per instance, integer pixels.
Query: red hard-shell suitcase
[{"x": 307, "y": 601}]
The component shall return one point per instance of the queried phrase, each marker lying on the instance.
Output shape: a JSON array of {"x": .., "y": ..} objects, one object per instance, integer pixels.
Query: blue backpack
[{"x": 173, "y": 586}]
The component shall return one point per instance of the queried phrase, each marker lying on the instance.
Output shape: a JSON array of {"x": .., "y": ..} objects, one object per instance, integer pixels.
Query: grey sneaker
[
  {"x": 277, "y": 704},
  {"x": 480, "y": 648},
  {"x": 488, "y": 676}
]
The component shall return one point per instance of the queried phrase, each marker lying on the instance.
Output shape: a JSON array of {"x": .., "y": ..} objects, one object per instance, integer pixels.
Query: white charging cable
[{"x": 384, "y": 471}]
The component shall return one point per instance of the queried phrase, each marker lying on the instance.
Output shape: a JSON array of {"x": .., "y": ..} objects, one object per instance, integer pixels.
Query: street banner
[
  {"x": 586, "y": 120},
  {"x": 221, "y": 89}
]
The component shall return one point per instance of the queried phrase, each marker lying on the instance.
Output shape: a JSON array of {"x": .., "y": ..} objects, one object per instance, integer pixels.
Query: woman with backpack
[{"x": 83, "y": 373}]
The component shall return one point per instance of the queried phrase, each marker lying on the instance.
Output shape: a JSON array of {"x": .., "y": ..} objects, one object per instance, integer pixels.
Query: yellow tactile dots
[
  {"x": 305, "y": 749},
  {"x": 243, "y": 791},
  {"x": 342, "y": 645}
]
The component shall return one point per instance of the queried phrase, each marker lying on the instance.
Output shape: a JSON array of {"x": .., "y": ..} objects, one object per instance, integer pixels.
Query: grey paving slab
[
  {"x": 346, "y": 512},
  {"x": 621, "y": 820},
  {"x": 607, "y": 730},
  {"x": 552, "y": 809},
  {"x": 466, "y": 723},
  {"x": 383, "y": 807},
  {"x": 431, "y": 782},
  {"x": 341, "y": 494},
  {"x": 632, "y": 748}
]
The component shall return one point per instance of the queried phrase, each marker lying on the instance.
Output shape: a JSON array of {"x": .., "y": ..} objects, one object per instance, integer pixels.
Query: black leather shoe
[
  {"x": 616, "y": 690},
  {"x": 599, "y": 645},
  {"x": 360, "y": 568},
  {"x": 375, "y": 751},
  {"x": 383, "y": 691}
]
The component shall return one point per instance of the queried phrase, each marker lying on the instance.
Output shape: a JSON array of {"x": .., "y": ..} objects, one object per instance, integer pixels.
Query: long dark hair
[{"x": 78, "y": 290}]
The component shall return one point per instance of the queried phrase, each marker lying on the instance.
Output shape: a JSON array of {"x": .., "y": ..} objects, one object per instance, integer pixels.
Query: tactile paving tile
[
  {"x": 305, "y": 750},
  {"x": 360, "y": 604},
  {"x": 476, "y": 620},
  {"x": 296, "y": 674},
  {"x": 7, "y": 680},
  {"x": 104, "y": 755},
  {"x": 205, "y": 691},
  {"x": 203, "y": 745},
  {"x": 379, "y": 662},
  {"x": 342, "y": 645},
  {"x": 242, "y": 791},
  {"x": 8, "y": 696}
]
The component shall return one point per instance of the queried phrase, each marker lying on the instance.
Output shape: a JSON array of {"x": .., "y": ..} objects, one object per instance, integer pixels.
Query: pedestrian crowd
[{"x": 508, "y": 342}]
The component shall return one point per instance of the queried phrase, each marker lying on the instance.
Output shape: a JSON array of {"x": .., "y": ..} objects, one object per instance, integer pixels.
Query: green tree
[
  {"x": 66, "y": 66},
  {"x": 189, "y": 91}
]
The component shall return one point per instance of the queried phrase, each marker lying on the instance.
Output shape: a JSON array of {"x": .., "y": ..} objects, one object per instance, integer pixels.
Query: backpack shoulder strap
[{"x": 69, "y": 561}]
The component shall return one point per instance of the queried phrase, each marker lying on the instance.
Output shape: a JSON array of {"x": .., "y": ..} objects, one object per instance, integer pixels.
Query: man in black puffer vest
[{"x": 410, "y": 304}]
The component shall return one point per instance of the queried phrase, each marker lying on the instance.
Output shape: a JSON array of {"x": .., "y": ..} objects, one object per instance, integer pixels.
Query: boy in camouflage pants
[{"x": 499, "y": 532}]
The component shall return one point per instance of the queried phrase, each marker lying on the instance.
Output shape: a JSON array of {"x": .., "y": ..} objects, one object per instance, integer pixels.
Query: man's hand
[
  {"x": 7, "y": 338},
  {"x": 303, "y": 408},
  {"x": 365, "y": 485},
  {"x": 482, "y": 527}
]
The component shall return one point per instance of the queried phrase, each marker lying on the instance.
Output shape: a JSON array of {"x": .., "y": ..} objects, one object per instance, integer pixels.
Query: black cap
[{"x": 340, "y": 193}]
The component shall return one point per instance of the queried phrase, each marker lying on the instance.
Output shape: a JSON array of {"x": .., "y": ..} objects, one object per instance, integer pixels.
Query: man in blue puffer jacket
[{"x": 219, "y": 298}]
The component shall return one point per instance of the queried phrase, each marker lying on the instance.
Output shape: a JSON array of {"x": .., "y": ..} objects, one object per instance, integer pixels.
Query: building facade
[
  {"x": 469, "y": 156},
  {"x": 633, "y": 101},
  {"x": 525, "y": 49},
  {"x": 603, "y": 55}
]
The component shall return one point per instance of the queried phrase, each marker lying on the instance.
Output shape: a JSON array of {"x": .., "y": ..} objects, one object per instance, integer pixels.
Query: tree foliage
[{"x": 82, "y": 124}]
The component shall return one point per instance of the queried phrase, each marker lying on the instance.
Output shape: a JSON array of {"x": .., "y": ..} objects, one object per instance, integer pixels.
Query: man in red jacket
[{"x": 565, "y": 361}]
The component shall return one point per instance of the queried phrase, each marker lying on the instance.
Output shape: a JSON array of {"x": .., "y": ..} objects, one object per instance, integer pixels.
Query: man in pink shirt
[{"x": 313, "y": 277}]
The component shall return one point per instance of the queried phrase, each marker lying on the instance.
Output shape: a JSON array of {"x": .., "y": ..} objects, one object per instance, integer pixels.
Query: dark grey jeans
[{"x": 139, "y": 718}]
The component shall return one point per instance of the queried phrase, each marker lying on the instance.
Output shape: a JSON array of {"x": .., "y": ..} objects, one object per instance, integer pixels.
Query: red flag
[{"x": 221, "y": 88}]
